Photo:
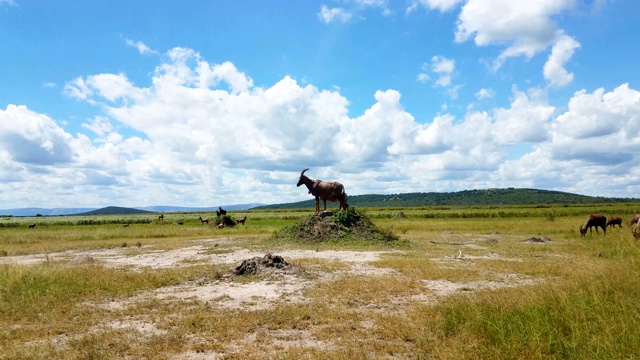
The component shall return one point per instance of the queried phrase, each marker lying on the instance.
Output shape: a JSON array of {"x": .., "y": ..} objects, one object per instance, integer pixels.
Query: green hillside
[
  {"x": 508, "y": 196},
  {"x": 114, "y": 210}
]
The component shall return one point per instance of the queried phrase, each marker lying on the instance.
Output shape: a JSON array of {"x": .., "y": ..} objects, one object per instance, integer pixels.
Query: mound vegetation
[{"x": 351, "y": 225}]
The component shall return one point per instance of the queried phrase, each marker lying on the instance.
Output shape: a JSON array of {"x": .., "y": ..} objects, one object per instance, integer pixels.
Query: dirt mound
[
  {"x": 535, "y": 239},
  {"x": 401, "y": 215},
  {"x": 342, "y": 226},
  {"x": 258, "y": 264}
]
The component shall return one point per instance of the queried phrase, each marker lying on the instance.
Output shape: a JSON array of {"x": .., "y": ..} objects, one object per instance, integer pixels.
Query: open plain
[{"x": 470, "y": 283}]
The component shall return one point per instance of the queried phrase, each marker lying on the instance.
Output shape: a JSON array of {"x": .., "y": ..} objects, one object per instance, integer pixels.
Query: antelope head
[{"x": 300, "y": 182}]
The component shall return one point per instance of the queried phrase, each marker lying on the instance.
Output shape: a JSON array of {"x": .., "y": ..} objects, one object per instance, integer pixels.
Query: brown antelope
[
  {"x": 594, "y": 220},
  {"x": 242, "y": 220},
  {"x": 613, "y": 221},
  {"x": 635, "y": 219},
  {"x": 325, "y": 190},
  {"x": 161, "y": 217},
  {"x": 32, "y": 226},
  {"x": 221, "y": 211},
  {"x": 221, "y": 225},
  {"x": 203, "y": 220}
]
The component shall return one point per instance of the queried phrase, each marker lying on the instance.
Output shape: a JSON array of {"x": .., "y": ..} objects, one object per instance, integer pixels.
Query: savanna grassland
[{"x": 516, "y": 282}]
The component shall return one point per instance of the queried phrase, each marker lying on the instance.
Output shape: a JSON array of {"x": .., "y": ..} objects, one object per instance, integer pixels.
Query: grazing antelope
[
  {"x": 203, "y": 220},
  {"x": 594, "y": 220},
  {"x": 325, "y": 190},
  {"x": 613, "y": 221},
  {"x": 242, "y": 220},
  {"x": 32, "y": 226}
]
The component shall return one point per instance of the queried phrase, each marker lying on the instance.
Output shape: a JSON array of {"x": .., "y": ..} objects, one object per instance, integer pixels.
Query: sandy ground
[
  {"x": 279, "y": 286},
  {"x": 252, "y": 295},
  {"x": 256, "y": 294}
]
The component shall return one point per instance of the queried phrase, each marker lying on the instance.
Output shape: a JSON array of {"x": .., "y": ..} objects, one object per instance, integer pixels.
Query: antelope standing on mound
[
  {"x": 594, "y": 220},
  {"x": 325, "y": 190}
]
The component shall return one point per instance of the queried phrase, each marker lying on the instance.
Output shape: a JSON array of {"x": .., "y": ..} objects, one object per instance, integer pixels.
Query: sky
[{"x": 208, "y": 103}]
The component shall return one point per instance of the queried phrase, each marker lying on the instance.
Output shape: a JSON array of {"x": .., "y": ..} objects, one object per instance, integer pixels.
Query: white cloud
[
  {"x": 527, "y": 119},
  {"x": 444, "y": 68},
  {"x": 210, "y": 136},
  {"x": 561, "y": 52},
  {"x": 329, "y": 15},
  {"x": 423, "y": 77},
  {"x": 527, "y": 28},
  {"x": 601, "y": 114},
  {"x": 8, "y": 2},
  {"x": 142, "y": 47},
  {"x": 484, "y": 94}
]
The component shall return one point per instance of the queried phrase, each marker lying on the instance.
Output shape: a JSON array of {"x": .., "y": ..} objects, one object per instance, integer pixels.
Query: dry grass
[{"x": 462, "y": 288}]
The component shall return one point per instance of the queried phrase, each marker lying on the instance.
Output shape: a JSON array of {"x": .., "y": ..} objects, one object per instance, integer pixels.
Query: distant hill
[
  {"x": 111, "y": 210},
  {"x": 201, "y": 209},
  {"x": 33, "y": 211},
  {"x": 509, "y": 196}
]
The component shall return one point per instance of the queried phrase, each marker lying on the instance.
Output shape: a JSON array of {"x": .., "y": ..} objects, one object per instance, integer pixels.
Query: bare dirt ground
[
  {"x": 280, "y": 286},
  {"x": 257, "y": 294}
]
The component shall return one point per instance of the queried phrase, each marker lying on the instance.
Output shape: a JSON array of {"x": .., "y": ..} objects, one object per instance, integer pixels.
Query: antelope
[
  {"x": 242, "y": 220},
  {"x": 221, "y": 225},
  {"x": 635, "y": 219},
  {"x": 32, "y": 226},
  {"x": 325, "y": 190},
  {"x": 594, "y": 220},
  {"x": 221, "y": 212},
  {"x": 125, "y": 225},
  {"x": 180, "y": 223},
  {"x": 203, "y": 220},
  {"x": 613, "y": 221},
  {"x": 161, "y": 217}
]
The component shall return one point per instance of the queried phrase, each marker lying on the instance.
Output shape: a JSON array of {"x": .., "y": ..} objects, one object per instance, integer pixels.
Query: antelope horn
[{"x": 302, "y": 173}]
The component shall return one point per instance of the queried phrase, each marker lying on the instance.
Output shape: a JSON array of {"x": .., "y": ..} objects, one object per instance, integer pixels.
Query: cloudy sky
[{"x": 207, "y": 103}]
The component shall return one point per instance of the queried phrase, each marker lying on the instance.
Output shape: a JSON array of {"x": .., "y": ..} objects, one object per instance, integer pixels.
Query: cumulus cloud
[
  {"x": 526, "y": 28},
  {"x": 207, "y": 135},
  {"x": 444, "y": 68},
  {"x": 33, "y": 139},
  {"x": 329, "y": 15},
  {"x": 561, "y": 52}
]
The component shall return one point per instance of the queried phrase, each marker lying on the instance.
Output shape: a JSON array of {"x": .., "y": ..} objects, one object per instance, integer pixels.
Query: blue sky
[{"x": 197, "y": 103}]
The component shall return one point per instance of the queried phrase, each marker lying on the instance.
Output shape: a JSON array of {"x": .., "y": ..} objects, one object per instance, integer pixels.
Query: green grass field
[{"x": 461, "y": 284}]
